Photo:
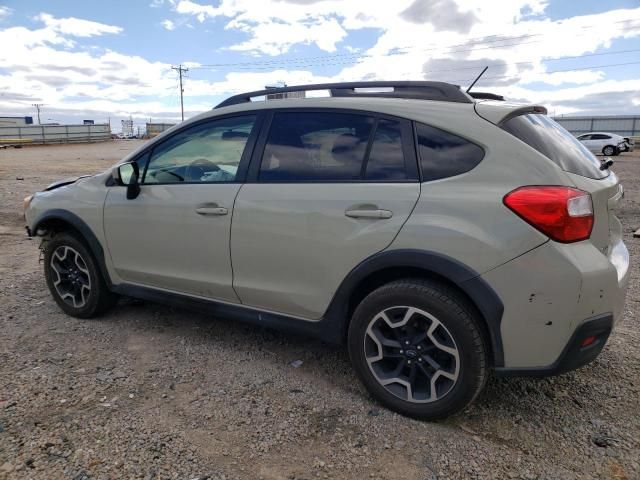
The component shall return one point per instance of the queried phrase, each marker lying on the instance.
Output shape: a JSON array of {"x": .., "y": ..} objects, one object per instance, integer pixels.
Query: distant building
[
  {"x": 15, "y": 121},
  {"x": 127, "y": 127},
  {"x": 279, "y": 96},
  {"x": 154, "y": 129}
]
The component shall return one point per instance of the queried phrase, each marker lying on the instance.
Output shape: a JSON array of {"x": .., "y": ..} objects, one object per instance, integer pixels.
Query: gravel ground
[{"x": 153, "y": 392}]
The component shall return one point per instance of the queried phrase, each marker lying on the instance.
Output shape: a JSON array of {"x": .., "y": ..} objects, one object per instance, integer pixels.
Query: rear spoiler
[{"x": 501, "y": 112}]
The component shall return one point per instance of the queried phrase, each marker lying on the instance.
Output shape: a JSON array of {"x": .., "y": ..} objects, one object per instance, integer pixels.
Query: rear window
[{"x": 550, "y": 139}]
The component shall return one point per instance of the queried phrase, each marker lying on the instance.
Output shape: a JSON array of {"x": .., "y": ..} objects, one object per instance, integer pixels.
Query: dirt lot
[{"x": 152, "y": 392}]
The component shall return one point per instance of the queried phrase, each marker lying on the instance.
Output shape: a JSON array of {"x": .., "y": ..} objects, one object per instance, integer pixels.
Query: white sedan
[{"x": 602, "y": 143}]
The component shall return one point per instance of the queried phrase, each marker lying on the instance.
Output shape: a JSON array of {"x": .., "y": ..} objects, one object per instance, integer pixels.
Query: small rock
[
  {"x": 118, "y": 374},
  {"x": 103, "y": 377},
  {"x": 6, "y": 467},
  {"x": 297, "y": 363},
  {"x": 374, "y": 412}
]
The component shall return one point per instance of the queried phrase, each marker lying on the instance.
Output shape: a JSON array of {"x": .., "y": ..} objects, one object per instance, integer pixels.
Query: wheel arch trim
[
  {"x": 81, "y": 226},
  {"x": 465, "y": 278}
]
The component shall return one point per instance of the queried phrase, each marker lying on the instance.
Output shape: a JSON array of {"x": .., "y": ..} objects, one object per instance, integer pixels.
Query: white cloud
[
  {"x": 41, "y": 68},
  {"x": 168, "y": 24},
  {"x": 76, "y": 27},
  {"x": 5, "y": 12}
]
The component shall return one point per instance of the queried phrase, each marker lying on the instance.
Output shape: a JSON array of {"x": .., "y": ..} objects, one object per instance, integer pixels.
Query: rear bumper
[
  {"x": 550, "y": 294},
  {"x": 595, "y": 331}
]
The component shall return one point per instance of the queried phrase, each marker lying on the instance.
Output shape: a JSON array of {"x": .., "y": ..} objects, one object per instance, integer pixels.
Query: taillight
[{"x": 564, "y": 214}]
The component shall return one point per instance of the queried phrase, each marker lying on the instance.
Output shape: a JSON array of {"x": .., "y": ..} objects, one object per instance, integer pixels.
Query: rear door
[
  {"x": 326, "y": 189},
  {"x": 175, "y": 234},
  {"x": 599, "y": 141}
]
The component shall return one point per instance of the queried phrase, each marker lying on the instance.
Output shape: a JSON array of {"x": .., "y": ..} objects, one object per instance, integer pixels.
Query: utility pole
[
  {"x": 180, "y": 69},
  {"x": 38, "y": 105}
]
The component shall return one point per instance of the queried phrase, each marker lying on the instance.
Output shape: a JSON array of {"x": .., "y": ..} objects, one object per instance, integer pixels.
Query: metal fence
[
  {"x": 154, "y": 129},
  {"x": 624, "y": 125},
  {"x": 46, "y": 134}
]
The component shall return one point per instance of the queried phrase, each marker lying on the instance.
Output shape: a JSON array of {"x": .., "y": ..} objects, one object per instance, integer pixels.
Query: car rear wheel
[
  {"x": 609, "y": 150},
  {"x": 73, "y": 278},
  {"x": 418, "y": 348}
]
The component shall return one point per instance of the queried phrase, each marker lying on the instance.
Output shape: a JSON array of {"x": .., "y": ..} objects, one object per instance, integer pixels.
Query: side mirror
[{"x": 127, "y": 175}]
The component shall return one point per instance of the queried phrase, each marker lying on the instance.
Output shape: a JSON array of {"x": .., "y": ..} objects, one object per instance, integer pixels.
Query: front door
[
  {"x": 175, "y": 234},
  {"x": 329, "y": 190}
]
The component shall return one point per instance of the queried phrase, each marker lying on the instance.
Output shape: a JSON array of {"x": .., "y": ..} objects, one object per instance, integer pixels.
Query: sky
[{"x": 110, "y": 60}]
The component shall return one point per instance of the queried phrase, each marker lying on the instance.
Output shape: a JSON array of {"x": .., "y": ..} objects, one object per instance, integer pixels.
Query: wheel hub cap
[
  {"x": 70, "y": 276},
  {"x": 412, "y": 354}
]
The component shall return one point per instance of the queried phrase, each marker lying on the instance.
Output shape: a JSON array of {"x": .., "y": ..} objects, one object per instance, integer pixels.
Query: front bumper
[{"x": 585, "y": 345}]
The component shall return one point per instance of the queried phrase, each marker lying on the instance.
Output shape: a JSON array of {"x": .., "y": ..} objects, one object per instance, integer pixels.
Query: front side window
[
  {"x": 206, "y": 153},
  {"x": 443, "y": 154},
  {"x": 315, "y": 146}
]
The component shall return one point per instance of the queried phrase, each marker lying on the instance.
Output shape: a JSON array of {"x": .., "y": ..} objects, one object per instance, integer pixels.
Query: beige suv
[{"x": 437, "y": 235}]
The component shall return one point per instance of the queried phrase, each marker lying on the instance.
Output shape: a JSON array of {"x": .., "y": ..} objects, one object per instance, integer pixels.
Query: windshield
[{"x": 549, "y": 138}]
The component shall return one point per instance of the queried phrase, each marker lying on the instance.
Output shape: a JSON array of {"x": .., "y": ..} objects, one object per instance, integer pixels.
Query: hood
[{"x": 66, "y": 181}]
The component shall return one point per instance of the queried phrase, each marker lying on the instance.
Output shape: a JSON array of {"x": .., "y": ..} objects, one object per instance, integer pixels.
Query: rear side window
[
  {"x": 308, "y": 146},
  {"x": 550, "y": 139},
  {"x": 386, "y": 159},
  {"x": 600, "y": 136},
  {"x": 443, "y": 154}
]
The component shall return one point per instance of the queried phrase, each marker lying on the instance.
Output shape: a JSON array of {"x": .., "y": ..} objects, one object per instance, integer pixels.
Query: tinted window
[
  {"x": 584, "y": 137},
  {"x": 210, "y": 152},
  {"x": 600, "y": 136},
  {"x": 386, "y": 159},
  {"x": 550, "y": 139},
  {"x": 307, "y": 146},
  {"x": 443, "y": 154}
]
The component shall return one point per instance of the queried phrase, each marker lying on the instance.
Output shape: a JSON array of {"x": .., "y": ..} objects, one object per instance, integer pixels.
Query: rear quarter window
[
  {"x": 443, "y": 154},
  {"x": 554, "y": 142}
]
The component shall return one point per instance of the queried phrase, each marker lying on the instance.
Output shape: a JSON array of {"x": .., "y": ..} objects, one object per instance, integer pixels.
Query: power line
[
  {"x": 350, "y": 58},
  {"x": 180, "y": 69},
  {"x": 568, "y": 57},
  {"x": 555, "y": 71}
]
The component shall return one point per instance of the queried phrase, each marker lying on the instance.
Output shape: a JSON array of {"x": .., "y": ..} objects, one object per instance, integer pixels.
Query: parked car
[
  {"x": 436, "y": 236},
  {"x": 602, "y": 143}
]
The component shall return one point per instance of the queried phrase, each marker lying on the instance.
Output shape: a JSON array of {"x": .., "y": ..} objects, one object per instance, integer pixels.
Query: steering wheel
[{"x": 197, "y": 169}]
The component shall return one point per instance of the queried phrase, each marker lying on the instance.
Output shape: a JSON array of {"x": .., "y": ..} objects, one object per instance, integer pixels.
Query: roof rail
[
  {"x": 486, "y": 96},
  {"x": 445, "y": 92}
]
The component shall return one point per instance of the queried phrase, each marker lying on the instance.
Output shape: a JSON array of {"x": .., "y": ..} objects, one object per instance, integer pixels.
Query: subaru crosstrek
[{"x": 438, "y": 234}]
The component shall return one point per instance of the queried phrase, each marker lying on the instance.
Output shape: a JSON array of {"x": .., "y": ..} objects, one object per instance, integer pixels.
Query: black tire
[
  {"x": 92, "y": 303},
  {"x": 609, "y": 150},
  {"x": 453, "y": 312}
]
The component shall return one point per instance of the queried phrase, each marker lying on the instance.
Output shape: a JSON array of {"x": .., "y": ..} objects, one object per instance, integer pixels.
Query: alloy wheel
[
  {"x": 70, "y": 277},
  {"x": 412, "y": 354}
]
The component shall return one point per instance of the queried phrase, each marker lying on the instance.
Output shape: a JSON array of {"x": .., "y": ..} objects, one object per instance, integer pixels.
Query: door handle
[
  {"x": 211, "y": 211},
  {"x": 367, "y": 213}
]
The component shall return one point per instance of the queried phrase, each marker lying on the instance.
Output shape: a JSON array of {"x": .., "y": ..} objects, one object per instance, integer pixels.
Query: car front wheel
[
  {"x": 418, "y": 348},
  {"x": 73, "y": 278}
]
